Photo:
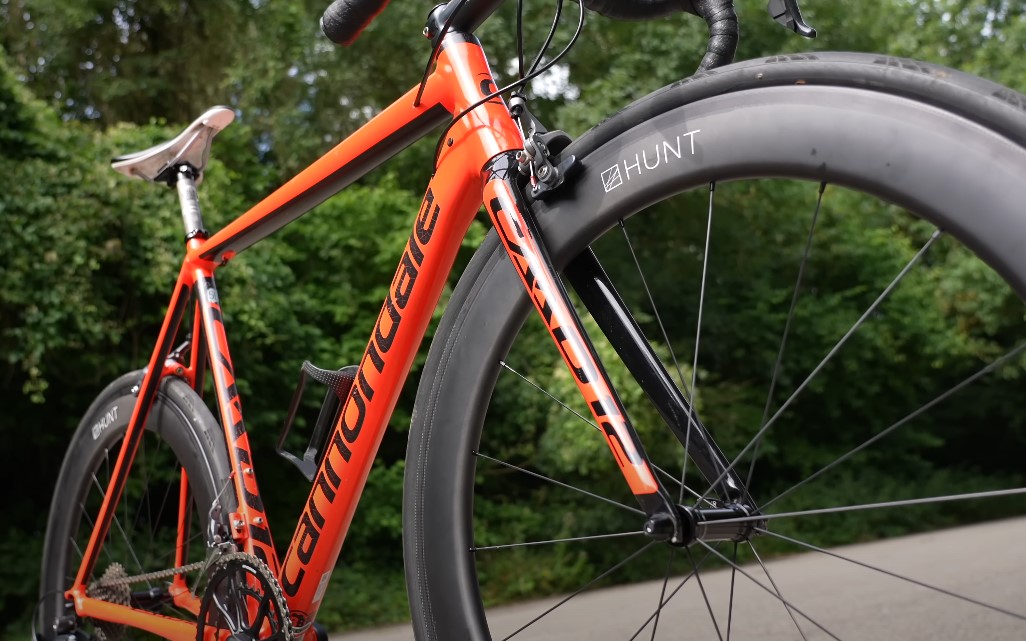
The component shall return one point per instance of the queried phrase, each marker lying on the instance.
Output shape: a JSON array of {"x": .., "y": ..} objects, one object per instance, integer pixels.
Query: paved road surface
[{"x": 987, "y": 562}]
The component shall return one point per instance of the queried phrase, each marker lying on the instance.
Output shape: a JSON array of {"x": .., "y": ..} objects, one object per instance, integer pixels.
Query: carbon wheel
[{"x": 871, "y": 207}]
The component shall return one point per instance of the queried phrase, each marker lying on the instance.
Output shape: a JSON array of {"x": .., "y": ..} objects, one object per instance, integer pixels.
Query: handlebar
[
  {"x": 344, "y": 20},
  {"x": 718, "y": 14}
]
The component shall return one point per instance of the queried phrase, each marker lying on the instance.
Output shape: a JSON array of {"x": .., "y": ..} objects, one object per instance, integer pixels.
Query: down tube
[{"x": 450, "y": 204}]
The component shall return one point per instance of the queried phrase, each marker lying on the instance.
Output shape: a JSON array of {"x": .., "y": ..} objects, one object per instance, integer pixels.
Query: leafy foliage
[{"x": 87, "y": 260}]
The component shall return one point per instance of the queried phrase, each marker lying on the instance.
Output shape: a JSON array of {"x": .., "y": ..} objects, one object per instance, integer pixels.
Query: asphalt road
[{"x": 986, "y": 562}]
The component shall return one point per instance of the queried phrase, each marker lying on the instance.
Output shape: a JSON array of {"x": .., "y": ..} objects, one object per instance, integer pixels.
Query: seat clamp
[{"x": 202, "y": 234}]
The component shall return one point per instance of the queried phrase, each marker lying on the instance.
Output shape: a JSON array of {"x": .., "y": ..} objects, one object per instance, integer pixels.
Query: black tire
[
  {"x": 181, "y": 433},
  {"x": 944, "y": 145}
]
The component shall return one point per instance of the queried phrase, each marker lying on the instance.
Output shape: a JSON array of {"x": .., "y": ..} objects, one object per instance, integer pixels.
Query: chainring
[{"x": 244, "y": 600}]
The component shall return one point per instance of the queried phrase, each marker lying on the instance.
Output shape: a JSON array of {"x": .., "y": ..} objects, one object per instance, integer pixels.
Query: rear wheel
[
  {"x": 830, "y": 256},
  {"x": 181, "y": 436}
]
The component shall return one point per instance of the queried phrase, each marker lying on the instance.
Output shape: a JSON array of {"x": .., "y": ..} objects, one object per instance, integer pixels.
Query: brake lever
[{"x": 787, "y": 13}]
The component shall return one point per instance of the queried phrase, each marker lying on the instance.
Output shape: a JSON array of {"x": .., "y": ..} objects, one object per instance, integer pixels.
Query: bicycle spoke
[
  {"x": 787, "y": 330},
  {"x": 666, "y": 340},
  {"x": 986, "y": 370},
  {"x": 68, "y": 578},
  {"x": 591, "y": 537},
  {"x": 103, "y": 490},
  {"x": 593, "y": 426},
  {"x": 144, "y": 501},
  {"x": 771, "y": 593},
  {"x": 701, "y": 586},
  {"x": 145, "y": 498},
  {"x": 655, "y": 309},
  {"x": 894, "y": 574},
  {"x": 581, "y": 589},
  {"x": 554, "y": 399},
  {"x": 107, "y": 476},
  {"x": 662, "y": 592},
  {"x": 776, "y": 589},
  {"x": 167, "y": 495},
  {"x": 663, "y": 603},
  {"x": 730, "y": 601},
  {"x": 698, "y": 334},
  {"x": 826, "y": 359},
  {"x": 78, "y": 549},
  {"x": 117, "y": 523},
  {"x": 89, "y": 520},
  {"x": 670, "y": 478},
  {"x": 560, "y": 483},
  {"x": 163, "y": 502},
  {"x": 875, "y": 506}
]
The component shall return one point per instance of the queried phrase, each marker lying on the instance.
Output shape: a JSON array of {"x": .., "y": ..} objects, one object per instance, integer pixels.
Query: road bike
[{"x": 157, "y": 523}]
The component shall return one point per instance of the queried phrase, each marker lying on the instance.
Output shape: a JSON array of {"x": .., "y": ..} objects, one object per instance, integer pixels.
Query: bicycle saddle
[{"x": 192, "y": 146}]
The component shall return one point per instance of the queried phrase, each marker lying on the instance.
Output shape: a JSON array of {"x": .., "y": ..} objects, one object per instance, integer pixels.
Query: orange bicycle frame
[{"x": 474, "y": 165}]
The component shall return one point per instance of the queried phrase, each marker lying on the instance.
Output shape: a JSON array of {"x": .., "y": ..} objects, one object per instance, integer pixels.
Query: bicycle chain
[
  {"x": 112, "y": 587},
  {"x": 106, "y": 582}
]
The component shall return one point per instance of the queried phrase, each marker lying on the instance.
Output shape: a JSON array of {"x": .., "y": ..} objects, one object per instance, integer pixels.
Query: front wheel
[{"x": 830, "y": 260}]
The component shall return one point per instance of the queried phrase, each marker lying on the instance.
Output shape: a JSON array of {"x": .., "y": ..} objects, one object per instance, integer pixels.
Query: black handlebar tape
[
  {"x": 718, "y": 14},
  {"x": 345, "y": 20},
  {"x": 723, "y": 32},
  {"x": 638, "y": 9}
]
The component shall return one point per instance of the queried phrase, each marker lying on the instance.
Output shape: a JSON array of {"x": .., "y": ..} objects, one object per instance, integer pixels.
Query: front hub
[{"x": 735, "y": 522}]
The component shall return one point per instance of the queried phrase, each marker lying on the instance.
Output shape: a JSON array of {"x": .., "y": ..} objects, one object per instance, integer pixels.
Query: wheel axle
[{"x": 704, "y": 524}]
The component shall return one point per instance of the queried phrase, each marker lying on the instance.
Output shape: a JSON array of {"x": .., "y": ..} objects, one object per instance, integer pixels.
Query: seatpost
[{"x": 189, "y": 200}]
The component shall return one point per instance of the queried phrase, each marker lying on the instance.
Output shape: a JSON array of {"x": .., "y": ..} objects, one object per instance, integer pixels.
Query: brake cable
[
  {"x": 436, "y": 47},
  {"x": 513, "y": 85}
]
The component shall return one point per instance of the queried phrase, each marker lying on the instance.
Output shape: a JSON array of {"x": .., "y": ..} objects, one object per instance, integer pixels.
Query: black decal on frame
[
  {"x": 428, "y": 217},
  {"x": 352, "y": 432},
  {"x": 385, "y": 342},
  {"x": 407, "y": 278}
]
